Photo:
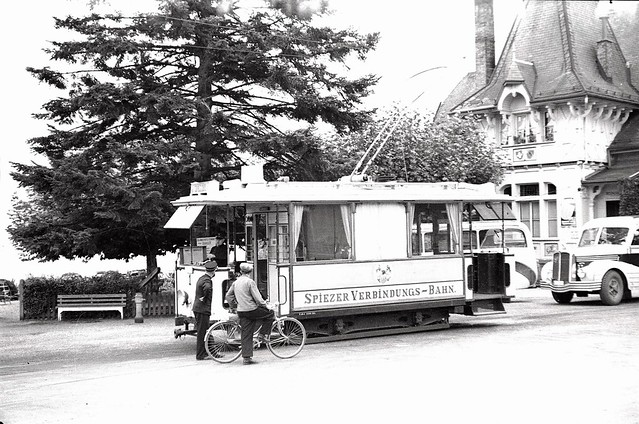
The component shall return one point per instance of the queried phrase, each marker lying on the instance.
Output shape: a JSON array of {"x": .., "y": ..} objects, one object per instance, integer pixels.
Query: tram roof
[{"x": 237, "y": 193}]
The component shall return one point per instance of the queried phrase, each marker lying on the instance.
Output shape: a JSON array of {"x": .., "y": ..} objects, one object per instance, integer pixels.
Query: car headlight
[{"x": 581, "y": 272}]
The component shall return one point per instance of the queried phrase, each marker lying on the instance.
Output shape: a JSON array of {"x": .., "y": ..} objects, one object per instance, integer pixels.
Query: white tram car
[{"x": 345, "y": 258}]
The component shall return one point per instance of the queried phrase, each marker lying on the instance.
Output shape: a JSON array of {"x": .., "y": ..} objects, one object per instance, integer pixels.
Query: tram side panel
[
  {"x": 186, "y": 277},
  {"x": 379, "y": 284},
  {"x": 358, "y": 296}
]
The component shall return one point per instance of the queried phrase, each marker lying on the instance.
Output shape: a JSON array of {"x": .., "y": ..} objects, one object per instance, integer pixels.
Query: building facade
[{"x": 554, "y": 104}]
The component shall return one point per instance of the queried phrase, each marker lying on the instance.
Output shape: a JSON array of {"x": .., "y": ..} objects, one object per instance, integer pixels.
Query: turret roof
[{"x": 552, "y": 50}]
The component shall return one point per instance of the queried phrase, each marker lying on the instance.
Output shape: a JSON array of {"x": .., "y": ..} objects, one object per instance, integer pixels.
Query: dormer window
[
  {"x": 522, "y": 133},
  {"x": 549, "y": 127},
  {"x": 517, "y": 126}
]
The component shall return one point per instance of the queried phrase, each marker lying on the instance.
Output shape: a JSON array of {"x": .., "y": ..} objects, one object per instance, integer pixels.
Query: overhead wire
[{"x": 399, "y": 115}]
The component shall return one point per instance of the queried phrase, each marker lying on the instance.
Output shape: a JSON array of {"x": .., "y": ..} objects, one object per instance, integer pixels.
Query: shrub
[
  {"x": 629, "y": 199},
  {"x": 40, "y": 293}
]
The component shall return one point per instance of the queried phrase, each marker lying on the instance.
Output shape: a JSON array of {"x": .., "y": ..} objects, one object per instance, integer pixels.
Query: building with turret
[{"x": 561, "y": 106}]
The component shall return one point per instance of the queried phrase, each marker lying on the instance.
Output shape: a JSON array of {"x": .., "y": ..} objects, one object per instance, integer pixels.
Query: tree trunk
[
  {"x": 151, "y": 263},
  {"x": 203, "y": 141}
]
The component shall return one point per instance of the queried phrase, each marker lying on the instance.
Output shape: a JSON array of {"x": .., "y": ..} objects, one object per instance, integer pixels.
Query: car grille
[{"x": 561, "y": 266}]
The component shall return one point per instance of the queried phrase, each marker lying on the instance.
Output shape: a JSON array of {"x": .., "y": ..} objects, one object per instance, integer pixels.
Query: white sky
[{"x": 415, "y": 35}]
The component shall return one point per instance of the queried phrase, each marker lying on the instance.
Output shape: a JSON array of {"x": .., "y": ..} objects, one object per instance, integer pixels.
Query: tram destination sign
[{"x": 376, "y": 295}]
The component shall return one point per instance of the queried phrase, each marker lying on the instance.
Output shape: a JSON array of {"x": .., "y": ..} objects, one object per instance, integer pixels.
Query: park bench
[
  {"x": 5, "y": 292},
  {"x": 91, "y": 302}
]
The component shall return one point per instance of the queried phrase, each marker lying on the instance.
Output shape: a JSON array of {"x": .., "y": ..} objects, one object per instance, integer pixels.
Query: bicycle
[{"x": 223, "y": 339}]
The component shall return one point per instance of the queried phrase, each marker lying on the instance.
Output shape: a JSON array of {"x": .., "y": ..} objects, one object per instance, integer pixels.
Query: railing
[{"x": 159, "y": 304}]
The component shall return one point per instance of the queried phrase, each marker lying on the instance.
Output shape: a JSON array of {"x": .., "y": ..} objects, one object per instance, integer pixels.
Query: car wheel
[
  {"x": 562, "y": 298},
  {"x": 612, "y": 288}
]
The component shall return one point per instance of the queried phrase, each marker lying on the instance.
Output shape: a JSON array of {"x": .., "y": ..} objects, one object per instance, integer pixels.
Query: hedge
[
  {"x": 629, "y": 199},
  {"x": 39, "y": 294}
]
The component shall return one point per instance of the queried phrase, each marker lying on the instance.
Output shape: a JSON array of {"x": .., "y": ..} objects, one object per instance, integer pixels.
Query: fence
[
  {"x": 155, "y": 304},
  {"x": 158, "y": 304}
]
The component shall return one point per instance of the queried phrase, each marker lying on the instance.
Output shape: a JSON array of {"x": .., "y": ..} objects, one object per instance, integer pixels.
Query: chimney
[
  {"x": 605, "y": 49},
  {"x": 484, "y": 40}
]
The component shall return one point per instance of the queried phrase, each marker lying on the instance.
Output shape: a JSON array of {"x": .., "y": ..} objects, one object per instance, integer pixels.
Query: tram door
[{"x": 268, "y": 248}]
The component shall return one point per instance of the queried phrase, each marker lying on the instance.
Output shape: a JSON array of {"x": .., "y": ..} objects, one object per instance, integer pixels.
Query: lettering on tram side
[{"x": 378, "y": 295}]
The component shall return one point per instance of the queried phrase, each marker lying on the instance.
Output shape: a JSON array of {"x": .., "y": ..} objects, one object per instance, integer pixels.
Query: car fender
[
  {"x": 546, "y": 272},
  {"x": 596, "y": 270}
]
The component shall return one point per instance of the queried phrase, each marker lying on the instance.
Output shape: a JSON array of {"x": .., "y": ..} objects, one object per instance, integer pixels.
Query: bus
[
  {"x": 506, "y": 235},
  {"x": 346, "y": 257}
]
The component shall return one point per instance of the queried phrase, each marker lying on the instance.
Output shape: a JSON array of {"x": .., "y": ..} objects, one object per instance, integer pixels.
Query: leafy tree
[
  {"x": 418, "y": 150},
  {"x": 156, "y": 101},
  {"x": 629, "y": 198}
]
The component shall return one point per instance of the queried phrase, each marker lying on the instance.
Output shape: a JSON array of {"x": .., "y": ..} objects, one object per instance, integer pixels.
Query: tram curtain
[
  {"x": 323, "y": 233},
  {"x": 298, "y": 214},
  {"x": 410, "y": 209},
  {"x": 380, "y": 231},
  {"x": 346, "y": 220},
  {"x": 453, "y": 212}
]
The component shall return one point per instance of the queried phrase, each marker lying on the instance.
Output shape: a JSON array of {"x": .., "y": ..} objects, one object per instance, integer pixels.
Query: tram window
[
  {"x": 324, "y": 233},
  {"x": 468, "y": 240},
  {"x": 491, "y": 211},
  {"x": 431, "y": 230}
]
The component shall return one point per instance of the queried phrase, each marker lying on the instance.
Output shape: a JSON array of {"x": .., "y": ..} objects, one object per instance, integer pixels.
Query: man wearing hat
[
  {"x": 251, "y": 308},
  {"x": 219, "y": 252},
  {"x": 202, "y": 306}
]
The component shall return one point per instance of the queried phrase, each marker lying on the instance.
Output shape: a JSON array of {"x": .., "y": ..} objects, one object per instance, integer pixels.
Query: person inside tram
[{"x": 219, "y": 251}]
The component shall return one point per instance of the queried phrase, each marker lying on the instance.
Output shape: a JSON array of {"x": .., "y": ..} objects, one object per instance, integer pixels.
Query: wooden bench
[
  {"x": 91, "y": 302},
  {"x": 5, "y": 292}
]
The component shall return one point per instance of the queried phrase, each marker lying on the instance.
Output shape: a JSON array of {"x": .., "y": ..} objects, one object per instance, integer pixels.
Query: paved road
[{"x": 541, "y": 362}]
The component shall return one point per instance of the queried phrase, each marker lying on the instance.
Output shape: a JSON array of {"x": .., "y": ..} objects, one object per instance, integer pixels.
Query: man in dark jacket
[
  {"x": 202, "y": 306},
  {"x": 220, "y": 251}
]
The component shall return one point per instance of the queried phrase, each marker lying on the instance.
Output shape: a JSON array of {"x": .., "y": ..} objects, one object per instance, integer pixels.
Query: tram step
[{"x": 485, "y": 307}]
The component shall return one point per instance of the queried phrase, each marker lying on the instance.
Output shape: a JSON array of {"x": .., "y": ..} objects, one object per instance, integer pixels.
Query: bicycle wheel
[
  {"x": 222, "y": 341},
  {"x": 287, "y": 338}
]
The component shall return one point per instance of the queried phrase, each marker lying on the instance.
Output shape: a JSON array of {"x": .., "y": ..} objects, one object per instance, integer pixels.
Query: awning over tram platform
[{"x": 184, "y": 217}]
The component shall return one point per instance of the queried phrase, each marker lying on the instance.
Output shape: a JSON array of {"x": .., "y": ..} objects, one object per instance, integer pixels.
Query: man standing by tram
[
  {"x": 202, "y": 306},
  {"x": 251, "y": 308}
]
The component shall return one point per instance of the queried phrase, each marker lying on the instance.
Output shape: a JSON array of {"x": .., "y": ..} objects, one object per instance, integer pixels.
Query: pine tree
[{"x": 154, "y": 102}]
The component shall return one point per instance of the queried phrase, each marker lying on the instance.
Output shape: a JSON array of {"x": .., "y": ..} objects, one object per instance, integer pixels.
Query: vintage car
[{"x": 605, "y": 262}]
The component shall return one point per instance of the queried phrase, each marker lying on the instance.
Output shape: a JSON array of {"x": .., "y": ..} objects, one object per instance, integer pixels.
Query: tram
[{"x": 347, "y": 258}]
